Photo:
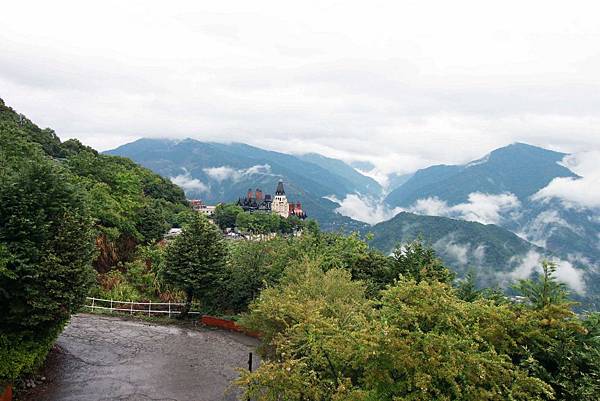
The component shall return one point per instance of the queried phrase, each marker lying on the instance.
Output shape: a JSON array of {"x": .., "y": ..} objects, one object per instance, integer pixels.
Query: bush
[
  {"x": 23, "y": 354},
  {"x": 46, "y": 249}
]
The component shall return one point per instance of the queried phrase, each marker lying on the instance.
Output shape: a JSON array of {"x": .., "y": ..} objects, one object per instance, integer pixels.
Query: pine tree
[
  {"x": 545, "y": 290},
  {"x": 195, "y": 261}
]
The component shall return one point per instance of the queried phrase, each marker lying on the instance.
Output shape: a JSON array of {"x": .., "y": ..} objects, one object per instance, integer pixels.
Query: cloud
[
  {"x": 223, "y": 173},
  {"x": 458, "y": 252},
  {"x": 566, "y": 272},
  {"x": 189, "y": 184},
  {"x": 431, "y": 207},
  {"x": 463, "y": 253},
  {"x": 481, "y": 207},
  {"x": 394, "y": 84},
  {"x": 364, "y": 208},
  {"x": 576, "y": 192},
  {"x": 543, "y": 225}
]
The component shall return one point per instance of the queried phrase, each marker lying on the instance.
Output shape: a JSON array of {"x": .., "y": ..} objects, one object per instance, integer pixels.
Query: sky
[{"x": 401, "y": 84}]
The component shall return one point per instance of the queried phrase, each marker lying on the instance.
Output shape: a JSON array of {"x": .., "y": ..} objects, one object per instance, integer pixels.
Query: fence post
[
  {"x": 149, "y": 307},
  {"x": 169, "y": 308},
  {"x": 93, "y": 304},
  {"x": 111, "y": 307},
  {"x": 131, "y": 307}
]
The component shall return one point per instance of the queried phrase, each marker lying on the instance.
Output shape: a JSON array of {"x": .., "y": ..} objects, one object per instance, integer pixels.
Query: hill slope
[
  {"x": 216, "y": 172},
  {"x": 489, "y": 249},
  {"x": 129, "y": 203},
  {"x": 519, "y": 169}
]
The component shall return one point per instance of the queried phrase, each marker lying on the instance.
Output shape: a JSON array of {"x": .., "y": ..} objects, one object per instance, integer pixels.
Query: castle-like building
[{"x": 256, "y": 201}]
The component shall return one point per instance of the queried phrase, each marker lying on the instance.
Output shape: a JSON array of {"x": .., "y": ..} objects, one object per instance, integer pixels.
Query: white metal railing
[{"x": 115, "y": 305}]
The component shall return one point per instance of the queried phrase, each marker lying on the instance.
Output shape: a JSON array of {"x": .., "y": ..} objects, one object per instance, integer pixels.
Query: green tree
[
  {"x": 195, "y": 261},
  {"x": 419, "y": 262},
  {"x": 152, "y": 224},
  {"x": 46, "y": 249},
  {"x": 467, "y": 287},
  {"x": 324, "y": 340},
  {"x": 226, "y": 214},
  {"x": 545, "y": 290}
]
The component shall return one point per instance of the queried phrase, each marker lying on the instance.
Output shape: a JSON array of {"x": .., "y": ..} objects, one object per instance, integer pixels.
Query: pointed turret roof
[{"x": 280, "y": 190}]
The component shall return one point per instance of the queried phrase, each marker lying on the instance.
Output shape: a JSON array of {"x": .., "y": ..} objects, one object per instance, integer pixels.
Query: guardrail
[{"x": 170, "y": 308}]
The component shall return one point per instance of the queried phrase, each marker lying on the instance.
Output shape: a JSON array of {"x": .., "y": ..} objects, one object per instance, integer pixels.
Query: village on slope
[{"x": 256, "y": 207}]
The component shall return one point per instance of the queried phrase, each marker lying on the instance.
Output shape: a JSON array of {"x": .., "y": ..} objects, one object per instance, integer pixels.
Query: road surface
[{"x": 102, "y": 358}]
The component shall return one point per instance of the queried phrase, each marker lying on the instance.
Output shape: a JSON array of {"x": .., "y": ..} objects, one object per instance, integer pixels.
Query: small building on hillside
[
  {"x": 257, "y": 201},
  {"x": 200, "y": 207}
]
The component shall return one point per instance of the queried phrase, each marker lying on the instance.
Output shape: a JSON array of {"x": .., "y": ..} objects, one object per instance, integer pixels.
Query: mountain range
[{"x": 484, "y": 214}]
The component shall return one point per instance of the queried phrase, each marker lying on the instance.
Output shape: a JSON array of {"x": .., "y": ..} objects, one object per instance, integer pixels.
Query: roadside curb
[
  {"x": 226, "y": 324},
  {"x": 7, "y": 395}
]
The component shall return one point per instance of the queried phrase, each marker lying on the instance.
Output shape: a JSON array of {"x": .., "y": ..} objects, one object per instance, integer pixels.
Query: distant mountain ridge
[
  {"x": 220, "y": 172},
  {"x": 492, "y": 250},
  {"x": 519, "y": 169}
]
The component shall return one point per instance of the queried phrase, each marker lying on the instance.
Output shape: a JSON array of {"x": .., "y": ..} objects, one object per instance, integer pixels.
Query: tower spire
[{"x": 280, "y": 190}]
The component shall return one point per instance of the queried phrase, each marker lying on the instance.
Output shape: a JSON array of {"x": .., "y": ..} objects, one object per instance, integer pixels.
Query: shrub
[{"x": 46, "y": 249}]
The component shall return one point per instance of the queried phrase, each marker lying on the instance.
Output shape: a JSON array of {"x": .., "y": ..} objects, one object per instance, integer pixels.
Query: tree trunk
[{"x": 188, "y": 305}]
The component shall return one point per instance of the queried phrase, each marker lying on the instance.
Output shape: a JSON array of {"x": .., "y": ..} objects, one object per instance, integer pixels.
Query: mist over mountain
[
  {"x": 217, "y": 172},
  {"x": 494, "y": 214},
  {"x": 509, "y": 187},
  {"x": 519, "y": 169}
]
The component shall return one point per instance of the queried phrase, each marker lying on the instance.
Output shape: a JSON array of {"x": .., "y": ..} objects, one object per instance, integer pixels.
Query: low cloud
[
  {"x": 363, "y": 208},
  {"x": 188, "y": 183},
  {"x": 224, "y": 173},
  {"x": 576, "y": 193},
  {"x": 543, "y": 226},
  {"x": 565, "y": 273},
  {"x": 481, "y": 207},
  {"x": 463, "y": 253}
]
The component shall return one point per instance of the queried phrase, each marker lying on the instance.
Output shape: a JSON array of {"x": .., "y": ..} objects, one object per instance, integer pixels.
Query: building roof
[{"x": 280, "y": 190}]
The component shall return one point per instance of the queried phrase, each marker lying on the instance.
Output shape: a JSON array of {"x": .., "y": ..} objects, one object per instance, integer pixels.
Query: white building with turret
[{"x": 280, "y": 203}]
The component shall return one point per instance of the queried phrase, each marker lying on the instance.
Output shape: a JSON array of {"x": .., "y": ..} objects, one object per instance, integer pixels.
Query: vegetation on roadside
[
  {"x": 325, "y": 338},
  {"x": 64, "y": 209},
  {"x": 46, "y": 251},
  {"x": 194, "y": 262}
]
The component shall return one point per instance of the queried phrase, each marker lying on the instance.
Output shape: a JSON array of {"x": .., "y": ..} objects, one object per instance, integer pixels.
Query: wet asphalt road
[{"x": 101, "y": 358}]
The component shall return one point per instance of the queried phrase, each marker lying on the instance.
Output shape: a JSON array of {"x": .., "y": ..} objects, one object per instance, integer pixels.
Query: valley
[{"x": 487, "y": 214}]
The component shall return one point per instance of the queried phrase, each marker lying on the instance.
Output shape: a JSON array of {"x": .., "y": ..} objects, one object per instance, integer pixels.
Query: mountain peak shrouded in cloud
[
  {"x": 519, "y": 169},
  {"x": 502, "y": 212}
]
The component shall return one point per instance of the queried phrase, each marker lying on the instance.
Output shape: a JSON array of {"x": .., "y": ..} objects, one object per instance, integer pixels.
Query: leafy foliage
[
  {"x": 418, "y": 262},
  {"x": 46, "y": 249},
  {"x": 327, "y": 337},
  {"x": 226, "y": 215},
  {"x": 128, "y": 204},
  {"x": 194, "y": 261},
  {"x": 325, "y": 340},
  {"x": 545, "y": 290}
]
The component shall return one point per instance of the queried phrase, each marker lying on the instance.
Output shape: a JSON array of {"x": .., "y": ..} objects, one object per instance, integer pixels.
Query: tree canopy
[
  {"x": 46, "y": 250},
  {"x": 195, "y": 260}
]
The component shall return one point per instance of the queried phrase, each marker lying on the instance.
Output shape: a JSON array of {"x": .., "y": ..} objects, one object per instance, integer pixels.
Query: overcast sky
[{"x": 402, "y": 84}]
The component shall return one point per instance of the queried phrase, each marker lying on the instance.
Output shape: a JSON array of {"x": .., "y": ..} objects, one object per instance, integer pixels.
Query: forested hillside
[
  {"x": 457, "y": 241},
  {"x": 216, "y": 172},
  {"x": 64, "y": 209},
  {"x": 128, "y": 203}
]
